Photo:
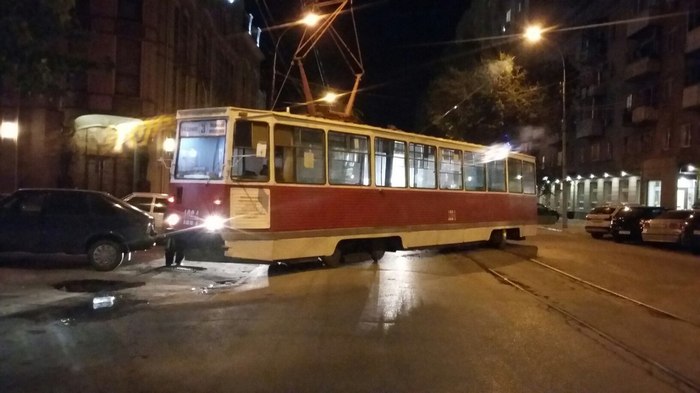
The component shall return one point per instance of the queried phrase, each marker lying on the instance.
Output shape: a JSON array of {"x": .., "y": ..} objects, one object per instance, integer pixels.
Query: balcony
[
  {"x": 589, "y": 127},
  {"x": 691, "y": 97},
  {"x": 641, "y": 21},
  {"x": 692, "y": 41},
  {"x": 642, "y": 68},
  {"x": 644, "y": 115}
]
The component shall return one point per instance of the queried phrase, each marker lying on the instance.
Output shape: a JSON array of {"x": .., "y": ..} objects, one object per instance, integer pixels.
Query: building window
[
  {"x": 595, "y": 151},
  {"x": 686, "y": 135},
  {"x": 654, "y": 193},
  {"x": 666, "y": 143},
  {"x": 508, "y": 16},
  {"x": 580, "y": 195},
  {"x": 624, "y": 190},
  {"x": 607, "y": 191},
  {"x": 608, "y": 150},
  {"x": 593, "y": 192},
  {"x": 582, "y": 155}
]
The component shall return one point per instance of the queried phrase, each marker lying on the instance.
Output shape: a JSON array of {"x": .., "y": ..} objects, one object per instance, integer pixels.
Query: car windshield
[{"x": 603, "y": 210}]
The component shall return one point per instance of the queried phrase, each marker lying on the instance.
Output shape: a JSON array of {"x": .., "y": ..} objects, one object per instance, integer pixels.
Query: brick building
[{"x": 107, "y": 130}]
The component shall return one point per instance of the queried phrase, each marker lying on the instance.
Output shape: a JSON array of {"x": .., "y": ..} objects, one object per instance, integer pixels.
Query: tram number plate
[{"x": 624, "y": 232}]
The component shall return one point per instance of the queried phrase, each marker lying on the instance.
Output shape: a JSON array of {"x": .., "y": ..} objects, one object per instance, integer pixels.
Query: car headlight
[
  {"x": 214, "y": 223},
  {"x": 172, "y": 219}
]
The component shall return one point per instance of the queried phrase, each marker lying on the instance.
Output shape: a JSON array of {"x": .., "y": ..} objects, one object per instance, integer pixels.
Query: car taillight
[{"x": 171, "y": 199}]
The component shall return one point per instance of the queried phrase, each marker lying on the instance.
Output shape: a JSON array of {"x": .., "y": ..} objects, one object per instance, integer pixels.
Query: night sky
[{"x": 393, "y": 35}]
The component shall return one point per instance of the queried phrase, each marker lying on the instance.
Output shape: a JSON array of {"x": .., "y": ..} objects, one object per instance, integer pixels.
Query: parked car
[
  {"x": 627, "y": 223},
  {"x": 599, "y": 218},
  {"x": 667, "y": 227},
  {"x": 94, "y": 223},
  {"x": 152, "y": 203},
  {"x": 546, "y": 215},
  {"x": 691, "y": 233}
]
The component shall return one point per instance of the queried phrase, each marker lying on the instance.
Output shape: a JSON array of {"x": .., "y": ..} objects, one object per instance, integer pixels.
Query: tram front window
[{"x": 201, "y": 150}]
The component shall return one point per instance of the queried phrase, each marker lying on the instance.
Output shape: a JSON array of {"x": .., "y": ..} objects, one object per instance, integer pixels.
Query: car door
[
  {"x": 66, "y": 222},
  {"x": 21, "y": 221}
]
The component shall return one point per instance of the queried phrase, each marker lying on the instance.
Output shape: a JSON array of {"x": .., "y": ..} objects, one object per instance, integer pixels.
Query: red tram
[{"x": 273, "y": 186}]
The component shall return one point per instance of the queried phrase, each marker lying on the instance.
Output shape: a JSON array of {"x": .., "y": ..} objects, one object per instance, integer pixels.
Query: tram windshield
[{"x": 201, "y": 150}]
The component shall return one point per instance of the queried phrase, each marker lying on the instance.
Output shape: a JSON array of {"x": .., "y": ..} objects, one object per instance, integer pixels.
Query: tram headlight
[
  {"x": 172, "y": 219},
  {"x": 214, "y": 223}
]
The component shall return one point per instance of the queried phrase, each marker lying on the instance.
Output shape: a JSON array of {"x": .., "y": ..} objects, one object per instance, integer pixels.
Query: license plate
[
  {"x": 696, "y": 232},
  {"x": 624, "y": 232}
]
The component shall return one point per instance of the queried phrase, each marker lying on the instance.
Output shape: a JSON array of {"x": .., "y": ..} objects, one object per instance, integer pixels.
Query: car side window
[
  {"x": 102, "y": 207},
  {"x": 143, "y": 203},
  {"x": 30, "y": 204},
  {"x": 160, "y": 206},
  {"x": 65, "y": 204}
]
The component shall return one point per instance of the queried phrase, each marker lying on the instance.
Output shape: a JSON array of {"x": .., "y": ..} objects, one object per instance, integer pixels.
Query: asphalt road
[{"x": 461, "y": 320}]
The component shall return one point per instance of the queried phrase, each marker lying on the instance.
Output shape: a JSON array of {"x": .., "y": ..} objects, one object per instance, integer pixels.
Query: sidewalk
[{"x": 573, "y": 226}]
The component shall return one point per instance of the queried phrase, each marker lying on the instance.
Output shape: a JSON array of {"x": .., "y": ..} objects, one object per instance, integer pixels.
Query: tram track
[{"x": 656, "y": 368}]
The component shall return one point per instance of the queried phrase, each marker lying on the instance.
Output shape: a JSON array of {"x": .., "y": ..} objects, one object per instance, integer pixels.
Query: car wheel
[
  {"x": 597, "y": 235},
  {"x": 105, "y": 255}
]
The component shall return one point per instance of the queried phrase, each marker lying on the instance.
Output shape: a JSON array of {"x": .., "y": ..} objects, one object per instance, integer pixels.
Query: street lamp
[
  {"x": 533, "y": 34},
  {"x": 10, "y": 130},
  {"x": 311, "y": 19}
]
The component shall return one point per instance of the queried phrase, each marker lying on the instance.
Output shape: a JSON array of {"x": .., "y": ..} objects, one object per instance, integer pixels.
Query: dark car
[
  {"x": 74, "y": 222},
  {"x": 626, "y": 224},
  {"x": 690, "y": 238},
  {"x": 546, "y": 215}
]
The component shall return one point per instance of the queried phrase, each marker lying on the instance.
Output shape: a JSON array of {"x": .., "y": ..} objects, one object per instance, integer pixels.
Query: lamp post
[
  {"x": 311, "y": 19},
  {"x": 534, "y": 34},
  {"x": 10, "y": 130}
]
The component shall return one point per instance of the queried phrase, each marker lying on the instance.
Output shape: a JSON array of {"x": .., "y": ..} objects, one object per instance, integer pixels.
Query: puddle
[
  {"x": 69, "y": 313},
  {"x": 95, "y": 286}
]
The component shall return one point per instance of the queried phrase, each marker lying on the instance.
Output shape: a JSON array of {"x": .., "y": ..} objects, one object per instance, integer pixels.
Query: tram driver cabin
[{"x": 273, "y": 186}]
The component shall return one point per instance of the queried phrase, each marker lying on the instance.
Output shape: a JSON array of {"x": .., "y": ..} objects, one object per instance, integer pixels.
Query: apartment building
[{"x": 632, "y": 97}]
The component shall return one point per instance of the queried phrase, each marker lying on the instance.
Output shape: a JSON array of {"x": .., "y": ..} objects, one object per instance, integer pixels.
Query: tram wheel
[
  {"x": 333, "y": 260},
  {"x": 497, "y": 238}
]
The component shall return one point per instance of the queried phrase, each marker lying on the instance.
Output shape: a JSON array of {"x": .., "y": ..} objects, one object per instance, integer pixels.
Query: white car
[
  {"x": 152, "y": 203},
  {"x": 598, "y": 220}
]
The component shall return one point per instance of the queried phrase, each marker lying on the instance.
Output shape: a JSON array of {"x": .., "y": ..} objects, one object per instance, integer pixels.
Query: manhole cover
[{"x": 94, "y": 286}]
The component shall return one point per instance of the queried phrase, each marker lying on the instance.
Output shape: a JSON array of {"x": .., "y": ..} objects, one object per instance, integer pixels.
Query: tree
[
  {"x": 484, "y": 104},
  {"x": 34, "y": 39}
]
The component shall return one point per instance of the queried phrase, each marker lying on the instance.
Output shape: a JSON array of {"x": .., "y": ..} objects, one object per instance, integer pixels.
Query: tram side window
[
  {"x": 474, "y": 171},
  {"x": 515, "y": 176},
  {"x": 496, "y": 175},
  {"x": 348, "y": 159},
  {"x": 528, "y": 177},
  {"x": 390, "y": 162},
  {"x": 299, "y": 155},
  {"x": 421, "y": 164},
  {"x": 450, "y": 169},
  {"x": 251, "y": 151}
]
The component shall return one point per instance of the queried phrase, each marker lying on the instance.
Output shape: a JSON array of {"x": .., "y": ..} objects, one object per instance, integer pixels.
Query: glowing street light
[
  {"x": 311, "y": 19},
  {"x": 533, "y": 34},
  {"x": 169, "y": 145},
  {"x": 330, "y": 97},
  {"x": 10, "y": 130}
]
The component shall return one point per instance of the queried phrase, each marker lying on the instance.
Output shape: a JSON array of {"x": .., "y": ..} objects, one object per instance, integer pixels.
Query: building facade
[
  {"x": 150, "y": 58},
  {"x": 632, "y": 98}
]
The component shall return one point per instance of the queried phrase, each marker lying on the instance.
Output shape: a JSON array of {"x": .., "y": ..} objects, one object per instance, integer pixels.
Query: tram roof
[{"x": 248, "y": 113}]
